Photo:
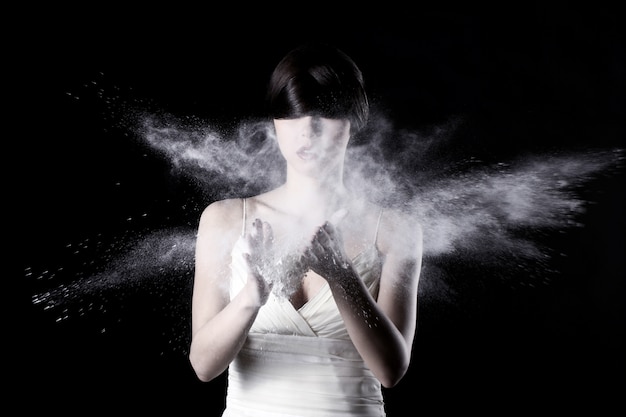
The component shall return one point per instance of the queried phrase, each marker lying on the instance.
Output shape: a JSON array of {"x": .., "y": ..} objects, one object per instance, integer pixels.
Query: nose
[{"x": 311, "y": 128}]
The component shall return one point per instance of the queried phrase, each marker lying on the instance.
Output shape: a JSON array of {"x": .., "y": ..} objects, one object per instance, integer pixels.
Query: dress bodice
[{"x": 302, "y": 362}]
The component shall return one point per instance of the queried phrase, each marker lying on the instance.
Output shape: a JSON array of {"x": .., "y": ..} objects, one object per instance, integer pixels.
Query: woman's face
[{"x": 313, "y": 144}]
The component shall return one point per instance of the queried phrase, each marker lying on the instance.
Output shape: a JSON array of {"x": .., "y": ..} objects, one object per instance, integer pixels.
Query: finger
[
  {"x": 311, "y": 254},
  {"x": 302, "y": 262},
  {"x": 334, "y": 235},
  {"x": 322, "y": 234},
  {"x": 255, "y": 230},
  {"x": 268, "y": 234},
  {"x": 316, "y": 246}
]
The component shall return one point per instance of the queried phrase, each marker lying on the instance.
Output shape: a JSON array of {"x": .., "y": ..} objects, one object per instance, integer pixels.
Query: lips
[{"x": 306, "y": 154}]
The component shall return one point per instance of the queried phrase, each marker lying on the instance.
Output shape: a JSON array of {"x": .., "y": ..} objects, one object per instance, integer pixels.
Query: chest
[{"x": 310, "y": 285}]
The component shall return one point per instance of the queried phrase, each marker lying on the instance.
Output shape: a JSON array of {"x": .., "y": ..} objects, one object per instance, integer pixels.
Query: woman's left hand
[{"x": 326, "y": 255}]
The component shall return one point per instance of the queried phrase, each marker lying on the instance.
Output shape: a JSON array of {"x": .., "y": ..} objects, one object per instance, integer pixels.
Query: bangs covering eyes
[{"x": 318, "y": 80}]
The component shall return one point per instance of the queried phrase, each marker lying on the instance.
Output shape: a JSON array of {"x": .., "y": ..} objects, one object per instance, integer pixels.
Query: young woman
[{"x": 307, "y": 294}]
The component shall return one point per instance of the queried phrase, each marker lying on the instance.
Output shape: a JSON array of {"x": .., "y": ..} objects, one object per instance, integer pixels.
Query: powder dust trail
[
  {"x": 157, "y": 266},
  {"x": 477, "y": 207},
  {"x": 493, "y": 214},
  {"x": 489, "y": 213},
  {"x": 479, "y": 210},
  {"x": 239, "y": 164},
  {"x": 162, "y": 251}
]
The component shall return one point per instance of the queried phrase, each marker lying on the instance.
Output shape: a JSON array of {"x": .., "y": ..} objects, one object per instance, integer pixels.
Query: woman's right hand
[{"x": 259, "y": 243}]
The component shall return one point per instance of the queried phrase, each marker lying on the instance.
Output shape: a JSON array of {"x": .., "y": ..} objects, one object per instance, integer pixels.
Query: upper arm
[
  {"x": 400, "y": 240},
  {"x": 217, "y": 232}
]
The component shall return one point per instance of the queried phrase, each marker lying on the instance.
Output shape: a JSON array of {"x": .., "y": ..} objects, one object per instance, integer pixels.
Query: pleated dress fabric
[{"x": 301, "y": 362}]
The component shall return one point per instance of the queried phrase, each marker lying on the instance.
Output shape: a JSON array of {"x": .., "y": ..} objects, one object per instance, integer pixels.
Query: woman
[{"x": 307, "y": 293}]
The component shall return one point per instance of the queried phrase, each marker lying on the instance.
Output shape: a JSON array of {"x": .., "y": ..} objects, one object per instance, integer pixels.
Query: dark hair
[{"x": 318, "y": 80}]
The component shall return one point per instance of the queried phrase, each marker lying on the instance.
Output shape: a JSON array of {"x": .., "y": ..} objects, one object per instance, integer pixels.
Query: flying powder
[{"x": 485, "y": 211}]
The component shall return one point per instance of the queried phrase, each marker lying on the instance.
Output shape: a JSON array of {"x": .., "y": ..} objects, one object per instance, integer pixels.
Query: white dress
[{"x": 301, "y": 362}]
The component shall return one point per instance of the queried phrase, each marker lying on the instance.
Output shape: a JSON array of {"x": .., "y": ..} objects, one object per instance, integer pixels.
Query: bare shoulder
[
  {"x": 224, "y": 217},
  {"x": 223, "y": 208}
]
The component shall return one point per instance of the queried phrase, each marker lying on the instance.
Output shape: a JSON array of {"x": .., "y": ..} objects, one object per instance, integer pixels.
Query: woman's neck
[{"x": 308, "y": 195}]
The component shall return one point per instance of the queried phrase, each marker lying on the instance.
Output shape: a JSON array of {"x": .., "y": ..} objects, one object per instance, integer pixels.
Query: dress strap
[
  {"x": 380, "y": 214},
  {"x": 244, "y": 215}
]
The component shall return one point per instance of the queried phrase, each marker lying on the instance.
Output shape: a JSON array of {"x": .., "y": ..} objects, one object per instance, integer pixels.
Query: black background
[{"x": 530, "y": 77}]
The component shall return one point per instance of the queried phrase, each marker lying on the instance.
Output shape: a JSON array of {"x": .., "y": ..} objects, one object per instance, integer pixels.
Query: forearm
[
  {"x": 217, "y": 342},
  {"x": 379, "y": 342}
]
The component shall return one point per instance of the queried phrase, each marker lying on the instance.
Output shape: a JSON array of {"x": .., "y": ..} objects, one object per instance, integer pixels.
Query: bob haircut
[{"x": 317, "y": 79}]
